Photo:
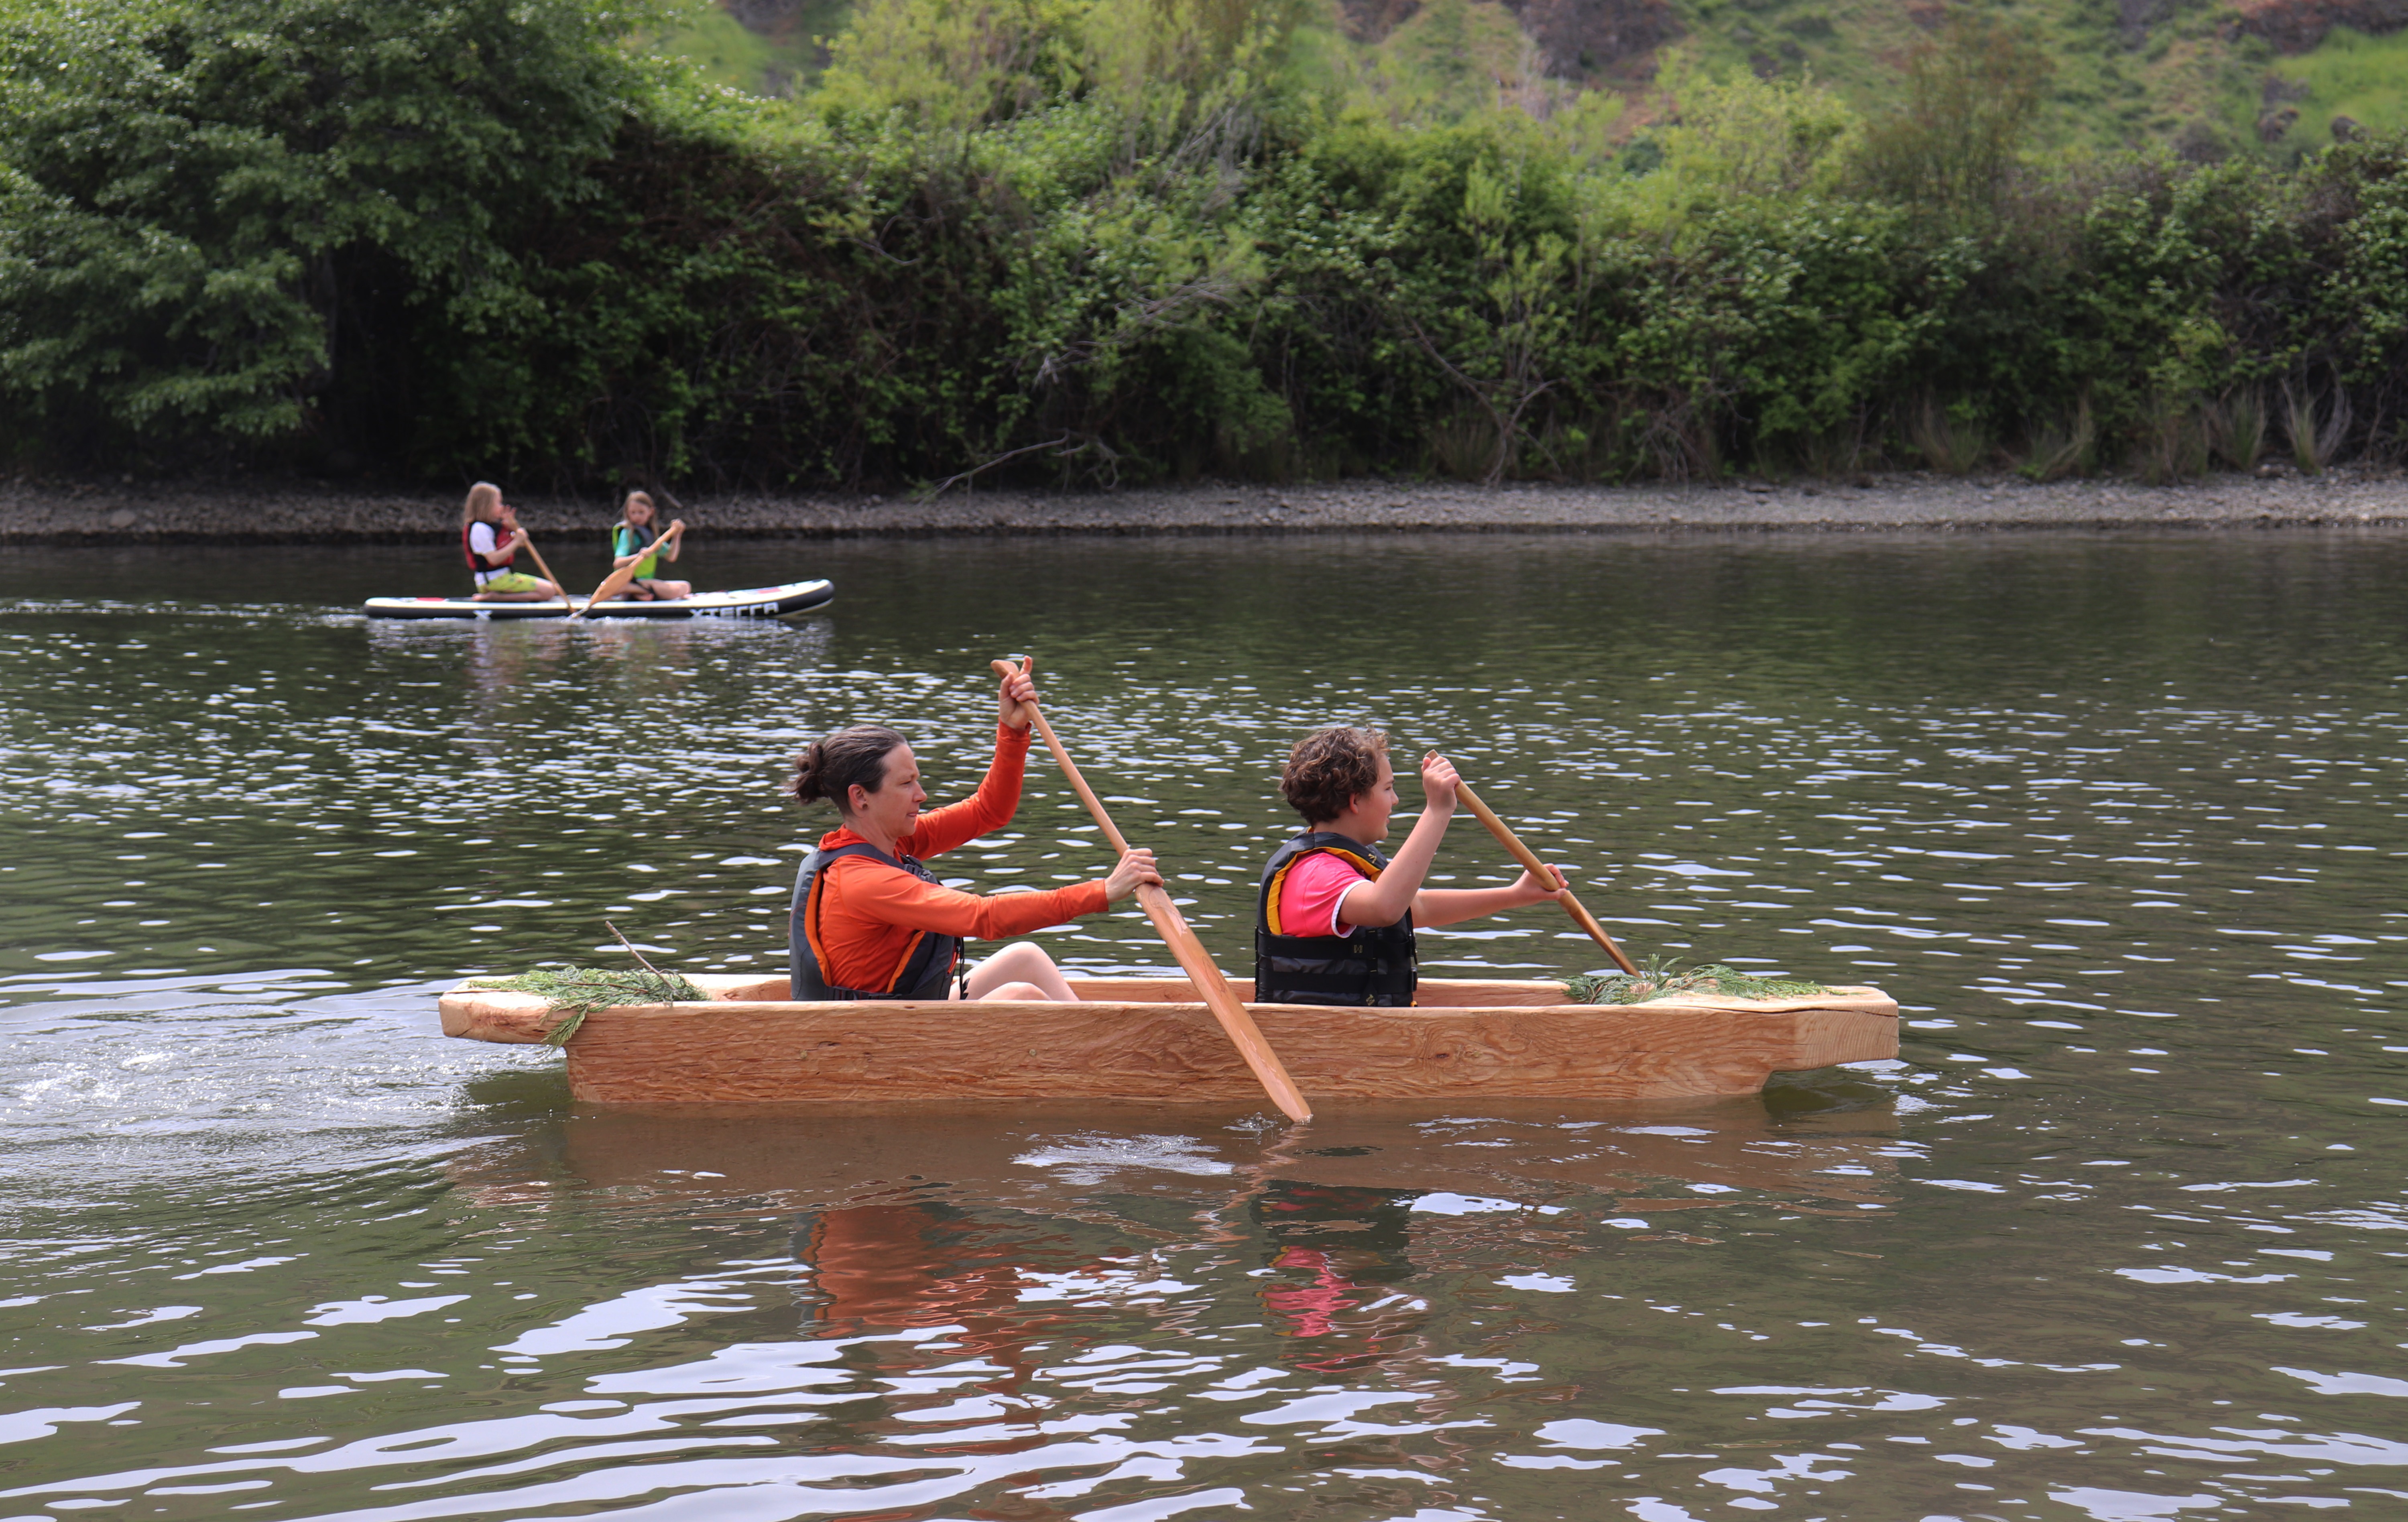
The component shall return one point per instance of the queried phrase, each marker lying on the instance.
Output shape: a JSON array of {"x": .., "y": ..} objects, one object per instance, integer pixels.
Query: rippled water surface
[{"x": 2120, "y": 822}]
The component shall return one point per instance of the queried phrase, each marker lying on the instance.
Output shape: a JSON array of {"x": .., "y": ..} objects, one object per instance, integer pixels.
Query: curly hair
[{"x": 1330, "y": 769}]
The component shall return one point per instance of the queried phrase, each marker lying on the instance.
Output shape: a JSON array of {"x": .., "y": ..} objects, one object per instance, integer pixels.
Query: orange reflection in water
[{"x": 919, "y": 1264}]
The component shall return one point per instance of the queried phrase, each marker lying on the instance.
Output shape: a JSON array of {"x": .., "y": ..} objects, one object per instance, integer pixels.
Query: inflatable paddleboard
[{"x": 752, "y": 602}]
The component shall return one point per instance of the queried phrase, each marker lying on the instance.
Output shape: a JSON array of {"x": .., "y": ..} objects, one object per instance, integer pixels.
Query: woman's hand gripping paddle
[
  {"x": 619, "y": 579},
  {"x": 1173, "y": 926},
  {"x": 1529, "y": 858}
]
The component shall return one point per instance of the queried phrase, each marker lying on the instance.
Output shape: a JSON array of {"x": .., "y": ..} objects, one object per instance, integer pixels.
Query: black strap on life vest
[
  {"x": 1372, "y": 966},
  {"x": 925, "y": 971}
]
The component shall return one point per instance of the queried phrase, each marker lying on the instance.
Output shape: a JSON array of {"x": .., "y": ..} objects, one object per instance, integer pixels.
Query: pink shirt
[{"x": 1312, "y": 893}]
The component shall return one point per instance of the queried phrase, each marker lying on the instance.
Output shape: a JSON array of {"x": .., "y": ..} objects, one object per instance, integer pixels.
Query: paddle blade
[
  {"x": 624, "y": 577},
  {"x": 612, "y": 585},
  {"x": 1236, "y": 1021}
]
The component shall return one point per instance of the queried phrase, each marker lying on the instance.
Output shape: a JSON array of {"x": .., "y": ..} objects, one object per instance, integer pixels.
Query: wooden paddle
[
  {"x": 1529, "y": 858},
  {"x": 619, "y": 580},
  {"x": 527, "y": 541},
  {"x": 1173, "y": 926}
]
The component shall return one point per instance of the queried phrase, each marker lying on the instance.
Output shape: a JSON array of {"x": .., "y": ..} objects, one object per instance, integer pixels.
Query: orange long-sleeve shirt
[{"x": 869, "y": 913}]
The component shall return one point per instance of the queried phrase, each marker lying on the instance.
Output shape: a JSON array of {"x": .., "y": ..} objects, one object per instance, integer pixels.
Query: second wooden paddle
[
  {"x": 1529, "y": 858},
  {"x": 1201, "y": 971},
  {"x": 619, "y": 579}
]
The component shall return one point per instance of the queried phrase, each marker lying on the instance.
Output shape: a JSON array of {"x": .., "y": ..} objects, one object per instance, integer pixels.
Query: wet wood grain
[{"x": 1140, "y": 1041}]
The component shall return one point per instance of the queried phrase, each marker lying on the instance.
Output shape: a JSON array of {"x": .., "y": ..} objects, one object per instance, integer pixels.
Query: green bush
[
  {"x": 257, "y": 222},
  {"x": 1112, "y": 240}
]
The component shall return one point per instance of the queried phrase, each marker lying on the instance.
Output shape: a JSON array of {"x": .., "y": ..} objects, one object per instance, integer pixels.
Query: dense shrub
[
  {"x": 259, "y": 221},
  {"x": 1098, "y": 240}
]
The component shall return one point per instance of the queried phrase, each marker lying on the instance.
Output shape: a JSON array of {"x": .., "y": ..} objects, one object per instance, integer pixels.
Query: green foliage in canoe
[
  {"x": 1662, "y": 978},
  {"x": 579, "y": 991}
]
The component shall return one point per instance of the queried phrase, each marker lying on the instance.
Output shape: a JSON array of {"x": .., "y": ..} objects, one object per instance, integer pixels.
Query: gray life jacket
[{"x": 926, "y": 969}]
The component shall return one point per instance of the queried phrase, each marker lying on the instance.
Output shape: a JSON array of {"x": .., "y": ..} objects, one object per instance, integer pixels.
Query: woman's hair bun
[{"x": 829, "y": 769}]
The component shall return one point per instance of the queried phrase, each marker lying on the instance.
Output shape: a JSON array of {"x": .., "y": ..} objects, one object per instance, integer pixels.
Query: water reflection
[
  {"x": 1068, "y": 1314},
  {"x": 2115, "y": 1239},
  {"x": 1844, "y": 1152}
]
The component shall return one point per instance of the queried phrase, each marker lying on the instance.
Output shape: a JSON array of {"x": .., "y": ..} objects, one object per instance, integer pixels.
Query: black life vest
[
  {"x": 925, "y": 971},
  {"x": 1374, "y": 964}
]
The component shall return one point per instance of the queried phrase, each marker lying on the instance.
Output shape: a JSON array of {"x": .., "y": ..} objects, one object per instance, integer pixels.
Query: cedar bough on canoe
[{"x": 869, "y": 921}]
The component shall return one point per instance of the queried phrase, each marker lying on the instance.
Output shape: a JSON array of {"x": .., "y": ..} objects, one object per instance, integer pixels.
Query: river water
[{"x": 2119, "y": 822}]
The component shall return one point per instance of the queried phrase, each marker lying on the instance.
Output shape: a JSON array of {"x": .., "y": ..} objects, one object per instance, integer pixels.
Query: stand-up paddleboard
[{"x": 754, "y": 602}]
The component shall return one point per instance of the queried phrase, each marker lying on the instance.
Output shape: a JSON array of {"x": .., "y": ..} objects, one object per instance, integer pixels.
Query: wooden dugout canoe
[{"x": 1150, "y": 1040}]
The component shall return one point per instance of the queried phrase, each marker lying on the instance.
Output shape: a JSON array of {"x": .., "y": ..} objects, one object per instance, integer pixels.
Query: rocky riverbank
[{"x": 132, "y": 513}]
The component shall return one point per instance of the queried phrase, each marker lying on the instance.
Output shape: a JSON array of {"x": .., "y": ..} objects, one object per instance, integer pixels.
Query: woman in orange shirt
[{"x": 869, "y": 921}]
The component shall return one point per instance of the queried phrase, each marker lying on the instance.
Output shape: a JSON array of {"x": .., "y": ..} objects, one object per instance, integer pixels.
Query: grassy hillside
[
  {"x": 2349, "y": 75},
  {"x": 2171, "y": 80},
  {"x": 2197, "y": 77},
  {"x": 764, "y": 47}
]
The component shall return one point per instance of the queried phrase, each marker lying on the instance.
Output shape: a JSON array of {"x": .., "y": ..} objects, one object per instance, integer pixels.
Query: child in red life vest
[{"x": 490, "y": 537}]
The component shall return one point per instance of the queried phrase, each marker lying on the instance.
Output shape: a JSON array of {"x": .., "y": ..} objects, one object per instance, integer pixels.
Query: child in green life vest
[{"x": 630, "y": 541}]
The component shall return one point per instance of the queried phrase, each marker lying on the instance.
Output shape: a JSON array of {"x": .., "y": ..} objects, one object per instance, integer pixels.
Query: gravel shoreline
[{"x": 295, "y": 514}]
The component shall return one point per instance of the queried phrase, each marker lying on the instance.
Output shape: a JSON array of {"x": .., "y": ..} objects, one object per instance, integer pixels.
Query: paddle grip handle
[{"x": 1079, "y": 784}]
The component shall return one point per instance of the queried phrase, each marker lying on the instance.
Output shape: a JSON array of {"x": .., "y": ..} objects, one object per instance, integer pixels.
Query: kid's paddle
[
  {"x": 528, "y": 540},
  {"x": 619, "y": 580},
  {"x": 1529, "y": 858},
  {"x": 1173, "y": 926}
]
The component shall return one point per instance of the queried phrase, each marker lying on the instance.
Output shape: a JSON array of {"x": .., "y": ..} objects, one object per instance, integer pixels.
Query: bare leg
[
  {"x": 546, "y": 592},
  {"x": 673, "y": 590},
  {"x": 1018, "y": 993},
  {"x": 1024, "y": 969}
]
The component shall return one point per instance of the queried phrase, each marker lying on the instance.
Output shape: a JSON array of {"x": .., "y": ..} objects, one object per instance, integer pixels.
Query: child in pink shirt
[{"x": 1334, "y": 922}]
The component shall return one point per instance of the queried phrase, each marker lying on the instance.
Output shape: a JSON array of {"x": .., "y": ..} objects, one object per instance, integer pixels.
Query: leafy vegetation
[
  {"x": 1660, "y": 977},
  {"x": 577, "y": 992},
  {"x": 1105, "y": 240}
]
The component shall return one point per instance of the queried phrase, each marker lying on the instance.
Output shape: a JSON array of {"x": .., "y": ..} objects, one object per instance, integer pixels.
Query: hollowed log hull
[{"x": 1146, "y": 1041}]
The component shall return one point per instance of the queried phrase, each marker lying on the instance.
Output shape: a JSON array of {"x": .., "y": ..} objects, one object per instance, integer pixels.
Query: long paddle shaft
[
  {"x": 1529, "y": 858},
  {"x": 1173, "y": 926},
  {"x": 527, "y": 539},
  {"x": 619, "y": 579}
]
